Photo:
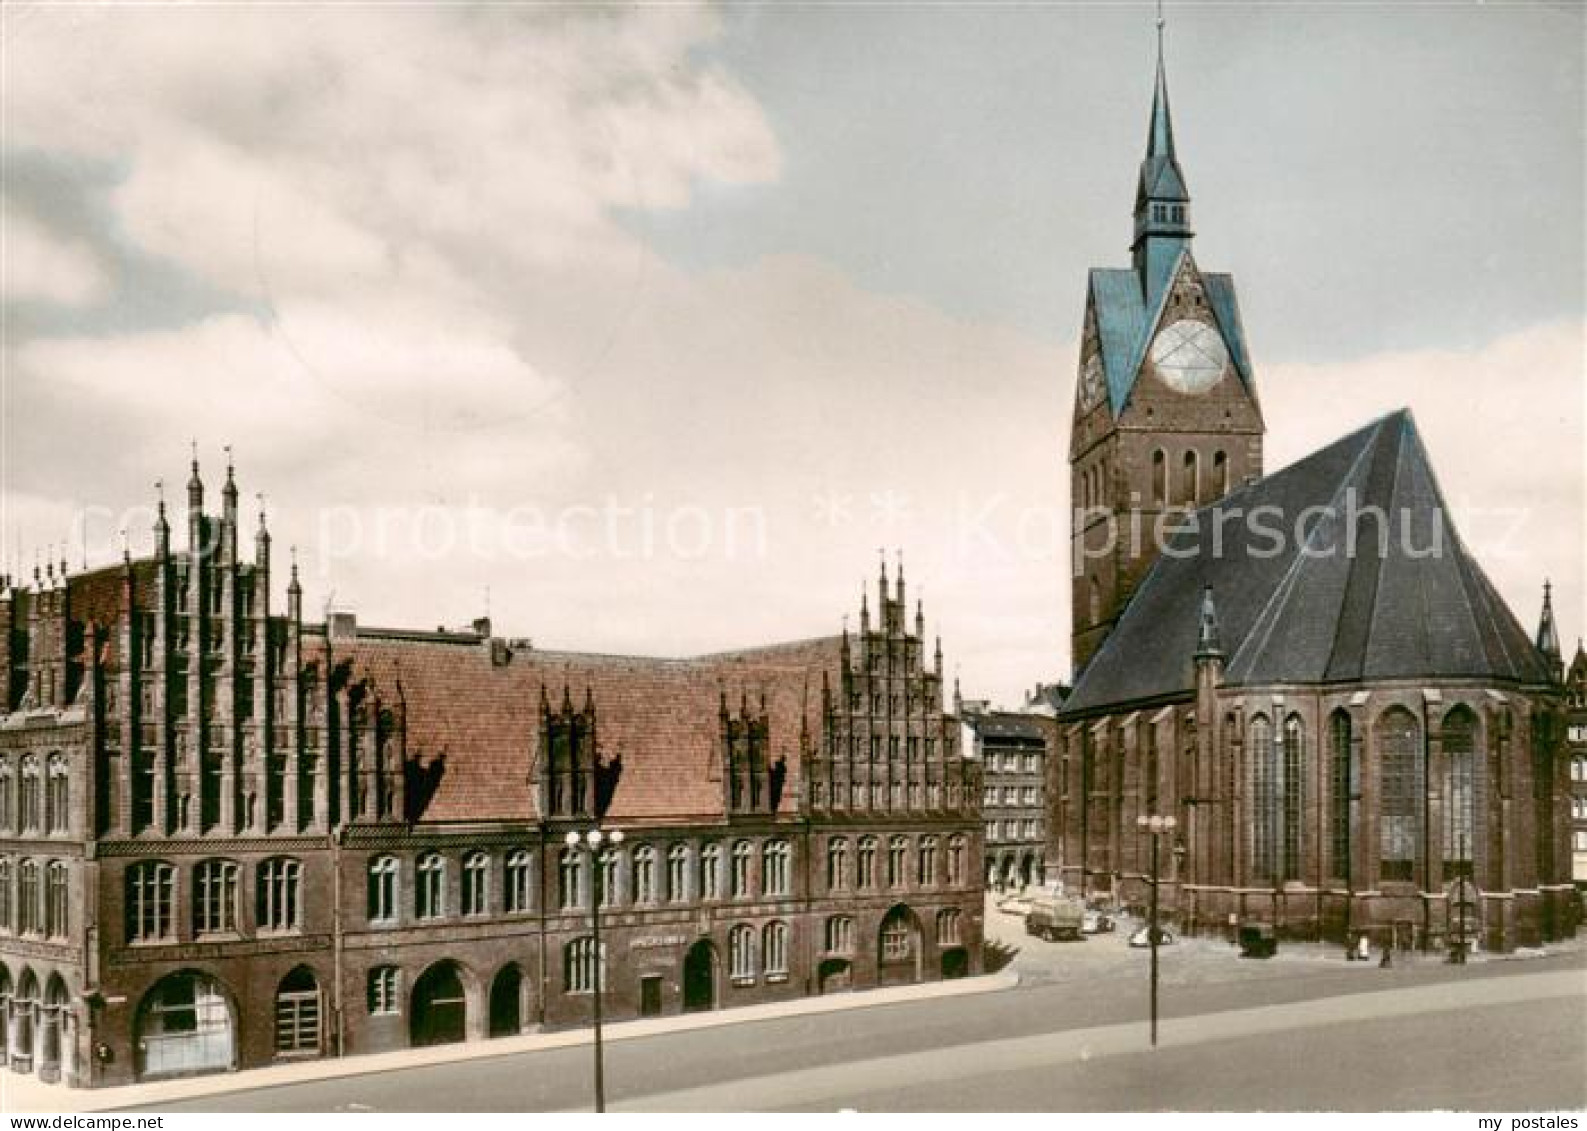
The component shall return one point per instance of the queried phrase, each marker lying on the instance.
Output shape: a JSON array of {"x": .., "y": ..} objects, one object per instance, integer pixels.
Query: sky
[{"x": 645, "y": 328}]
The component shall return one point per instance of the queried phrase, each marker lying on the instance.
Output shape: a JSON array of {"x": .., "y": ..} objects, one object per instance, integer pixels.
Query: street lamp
[
  {"x": 594, "y": 839},
  {"x": 1156, "y": 826}
]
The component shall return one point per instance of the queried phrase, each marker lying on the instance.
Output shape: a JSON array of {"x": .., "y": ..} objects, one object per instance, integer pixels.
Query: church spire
[
  {"x": 1547, "y": 634},
  {"x": 1162, "y": 202}
]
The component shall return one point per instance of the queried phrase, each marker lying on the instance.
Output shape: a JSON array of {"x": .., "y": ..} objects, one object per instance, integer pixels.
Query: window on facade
[
  {"x": 385, "y": 990},
  {"x": 775, "y": 859},
  {"x": 1293, "y": 739},
  {"x": 151, "y": 892},
  {"x": 644, "y": 874},
  {"x": 1399, "y": 743},
  {"x": 215, "y": 890},
  {"x": 429, "y": 889},
  {"x": 837, "y": 863},
  {"x": 279, "y": 895},
  {"x": 30, "y": 794},
  {"x": 926, "y": 864},
  {"x": 570, "y": 878},
  {"x": 897, "y": 854},
  {"x": 142, "y": 790},
  {"x": 56, "y": 901},
  {"x": 865, "y": 864},
  {"x": 581, "y": 966},
  {"x": 7, "y": 910},
  {"x": 518, "y": 894},
  {"x": 990, "y": 797},
  {"x": 476, "y": 884},
  {"x": 956, "y": 851},
  {"x": 774, "y": 950},
  {"x": 7, "y": 795},
  {"x": 678, "y": 873},
  {"x": 895, "y": 938},
  {"x": 56, "y": 813},
  {"x": 1159, "y": 477},
  {"x": 1261, "y": 755},
  {"x": 741, "y": 952},
  {"x": 28, "y": 897},
  {"x": 948, "y": 927},
  {"x": 711, "y": 871},
  {"x": 1190, "y": 479},
  {"x": 382, "y": 904},
  {"x": 1341, "y": 785},
  {"x": 606, "y": 877},
  {"x": 742, "y": 855},
  {"x": 840, "y": 935},
  {"x": 1220, "y": 473},
  {"x": 1459, "y": 792}
]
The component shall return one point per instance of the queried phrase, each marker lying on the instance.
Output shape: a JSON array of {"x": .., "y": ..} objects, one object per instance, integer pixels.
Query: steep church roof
[{"x": 1356, "y": 597}]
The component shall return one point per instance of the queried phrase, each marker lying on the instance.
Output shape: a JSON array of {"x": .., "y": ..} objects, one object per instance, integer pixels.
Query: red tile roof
[{"x": 481, "y": 721}]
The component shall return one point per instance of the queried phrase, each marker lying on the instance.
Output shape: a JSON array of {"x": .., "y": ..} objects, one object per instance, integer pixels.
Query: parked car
[
  {"x": 1257, "y": 940},
  {"x": 1165, "y": 937},
  {"x": 1014, "y": 904},
  {"x": 1096, "y": 922},
  {"x": 1055, "y": 917}
]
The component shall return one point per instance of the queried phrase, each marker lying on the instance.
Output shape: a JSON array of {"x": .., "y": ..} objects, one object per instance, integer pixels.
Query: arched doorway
[
  {"x": 52, "y": 1022},
  {"x": 955, "y": 962},
  {"x": 1027, "y": 870},
  {"x": 1463, "y": 932},
  {"x": 5, "y": 1015},
  {"x": 298, "y": 1014},
  {"x": 440, "y": 1007},
  {"x": 185, "y": 1026},
  {"x": 699, "y": 977},
  {"x": 898, "y": 947},
  {"x": 836, "y": 975},
  {"x": 24, "y": 1009},
  {"x": 506, "y": 1002}
]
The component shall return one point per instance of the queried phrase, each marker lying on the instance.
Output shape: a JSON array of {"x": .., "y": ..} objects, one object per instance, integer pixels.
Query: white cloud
[{"x": 41, "y": 265}]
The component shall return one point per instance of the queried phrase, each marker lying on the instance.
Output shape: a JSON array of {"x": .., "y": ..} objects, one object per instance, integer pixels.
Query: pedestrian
[{"x": 1388, "y": 951}]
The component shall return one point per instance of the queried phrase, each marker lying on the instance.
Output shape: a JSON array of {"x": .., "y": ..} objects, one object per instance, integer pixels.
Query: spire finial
[{"x": 259, "y": 497}]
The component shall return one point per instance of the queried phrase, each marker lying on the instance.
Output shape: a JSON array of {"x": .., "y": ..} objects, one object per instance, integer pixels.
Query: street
[{"x": 1306, "y": 1030}]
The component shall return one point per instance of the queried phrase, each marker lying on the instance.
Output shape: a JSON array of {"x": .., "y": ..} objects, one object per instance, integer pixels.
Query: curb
[{"x": 25, "y": 1095}]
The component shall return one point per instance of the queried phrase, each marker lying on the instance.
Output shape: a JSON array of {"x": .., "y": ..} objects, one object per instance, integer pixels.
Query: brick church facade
[
  {"x": 1308, "y": 671},
  {"x": 230, "y": 837}
]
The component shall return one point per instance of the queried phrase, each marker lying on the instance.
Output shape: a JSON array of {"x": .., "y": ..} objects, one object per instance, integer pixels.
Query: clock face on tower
[
  {"x": 1190, "y": 356},
  {"x": 1091, "y": 383}
]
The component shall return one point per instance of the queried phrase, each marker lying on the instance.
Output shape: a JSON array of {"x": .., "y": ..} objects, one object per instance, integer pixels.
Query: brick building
[
  {"x": 230, "y": 837},
  {"x": 1012, "y": 748},
  {"x": 1576, "y": 738},
  {"x": 1314, "y": 677}
]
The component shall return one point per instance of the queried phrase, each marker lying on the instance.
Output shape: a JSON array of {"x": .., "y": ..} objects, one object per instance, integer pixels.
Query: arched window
[
  {"x": 1342, "y": 784},
  {"x": 429, "y": 889},
  {"x": 678, "y": 873},
  {"x": 1094, "y": 600},
  {"x": 7, "y": 904},
  {"x": 1399, "y": 743},
  {"x": 1190, "y": 479},
  {"x": 298, "y": 1014},
  {"x": 385, "y": 990},
  {"x": 840, "y": 935},
  {"x": 1459, "y": 792},
  {"x": 741, "y": 953},
  {"x": 476, "y": 884},
  {"x": 897, "y": 936},
  {"x": 1261, "y": 756},
  {"x": 644, "y": 874},
  {"x": 215, "y": 890},
  {"x": 865, "y": 860},
  {"x": 151, "y": 893},
  {"x": 280, "y": 888},
  {"x": 956, "y": 851},
  {"x": 897, "y": 854},
  {"x": 743, "y": 853},
  {"x": 570, "y": 878},
  {"x": 711, "y": 871},
  {"x": 30, "y": 794},
  {"x": 1293, "y": 777},
  {"x": 8, "y": 787},
  {"x": 582, "y": 966},
  {"x": 606, "y": 862},
  {"x": 948, "y": 927},
  {"x": 774, "y": 951},
  {"x": 926, "y": 862},
  {"x": 382, "y": 906},
  {"x": 1220, "y": 473},
  {"x": 56, "y": 814},
  {"x": 518, "y": 891},
  {"x": 837, "y": 863},
  {"x": 56, "y": 925},
  {"x": 1159, "y": 477},
  {"x": 775, "y": 867}
]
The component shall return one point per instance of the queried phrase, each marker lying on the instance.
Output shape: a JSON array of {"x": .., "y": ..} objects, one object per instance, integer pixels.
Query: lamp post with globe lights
[
  {"x": 1157, "y": 827},
  {"x": 593, "y": 839}
]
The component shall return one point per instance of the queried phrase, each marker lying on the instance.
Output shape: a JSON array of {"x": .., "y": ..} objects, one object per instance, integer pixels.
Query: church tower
[{"x": 1166, "y": 417}]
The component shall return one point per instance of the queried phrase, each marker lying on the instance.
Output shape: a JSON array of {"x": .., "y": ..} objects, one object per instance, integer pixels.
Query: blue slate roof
[{"x": 1315, "y": 613}]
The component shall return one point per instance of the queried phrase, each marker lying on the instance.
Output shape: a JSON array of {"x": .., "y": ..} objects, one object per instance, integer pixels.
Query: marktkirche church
[{"x": 1313, "y": 676}]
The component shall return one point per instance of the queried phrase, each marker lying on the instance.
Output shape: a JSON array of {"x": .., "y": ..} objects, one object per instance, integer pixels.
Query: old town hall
[{"x": 1309, "y": 672}]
